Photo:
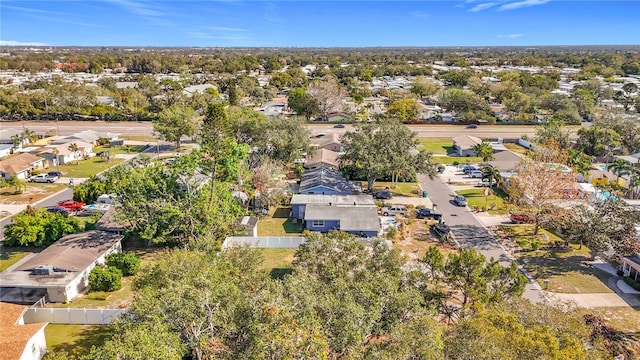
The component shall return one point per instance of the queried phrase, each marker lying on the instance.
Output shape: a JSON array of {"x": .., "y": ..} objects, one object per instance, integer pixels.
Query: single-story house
[
  {"x": 330, "y": 141},
  {"x": 87, "y": 136},
  {"x": 8, "y": 135},
  {"x": 20, "y": 341},
  {"x": 633, "y": 159},
  {"x": 5, "y": 150},
  {"x": 327, "y": 181},
  {"x": 506, "y": 161},
  {"x": 631, "y": 267},
  {"x": 299, "y": 202},
  {"x": 21, "y": 165},
  {"x": 66, "y": 156},
  {"x": 322, "y": 158},
  {"x": 361, "y": 221},
  {"x": 463, "y": 145},
  {"x": 109, "y": 223},
  {"x": 600, "y": 177},
  {"x": 61, "y": 271}
]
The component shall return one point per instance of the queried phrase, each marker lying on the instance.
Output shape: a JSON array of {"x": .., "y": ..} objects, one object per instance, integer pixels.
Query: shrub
[
  {"x": 37, "y": 227},
  {"x": 128, "y": 263},
  {"x": 619, "y": 272},
  {"x": 105, "y": 279},
  {"x": 456, "y": 163},
  {"x": 632, "y": 283}
]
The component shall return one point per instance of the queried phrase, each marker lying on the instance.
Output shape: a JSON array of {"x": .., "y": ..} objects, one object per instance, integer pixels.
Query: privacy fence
[{"x": 71, "y": 316}]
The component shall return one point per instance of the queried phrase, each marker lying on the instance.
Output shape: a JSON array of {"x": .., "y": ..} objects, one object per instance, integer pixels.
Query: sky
[{"x": 257, "y": 23}]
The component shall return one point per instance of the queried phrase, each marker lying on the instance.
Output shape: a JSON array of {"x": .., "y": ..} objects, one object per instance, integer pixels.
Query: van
[{"x": 475, "y": 174}]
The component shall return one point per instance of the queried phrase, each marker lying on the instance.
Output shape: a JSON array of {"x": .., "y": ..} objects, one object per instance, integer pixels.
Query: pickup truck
[
  {"x": 425, "y": 213},
  {"x": 394, "y": 210},
  {"x": 43, "y": 178}
]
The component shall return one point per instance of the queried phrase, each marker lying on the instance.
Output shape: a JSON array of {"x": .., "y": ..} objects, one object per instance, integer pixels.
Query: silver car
[
  {"x": 460, "y": 200},
  {"x": 43, "y": 178}
]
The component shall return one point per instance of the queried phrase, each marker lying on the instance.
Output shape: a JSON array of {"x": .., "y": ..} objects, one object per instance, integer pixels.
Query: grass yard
[
  {"x": 147, "y": 138},
  {"x": 442, "y": 146},
  {"x": 567, "y": 271},
  {"x": 449, "y": 160},
  {"x": 88, "y": 168},
  {"x": 415, "y": 238},
  {"x": 399, "y": 189},
  {"x": 75, "y": 339},
  {"x": 278, "y": 223},
  {"x": 621, "y": 318},
  {"x": 10, "y": 255},
  {"x": 277, "y": 261},
  {"x": 516, "y": 148},
  {"x": 126, "y": 149},
  {"x": 33, "y": 192},
  {"x": 476, "y": 197}
]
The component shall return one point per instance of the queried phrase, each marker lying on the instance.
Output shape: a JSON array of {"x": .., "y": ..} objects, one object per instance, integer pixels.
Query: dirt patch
[
  {"x": 416, "y": 237},
  {"x": 32, "y": 193}
]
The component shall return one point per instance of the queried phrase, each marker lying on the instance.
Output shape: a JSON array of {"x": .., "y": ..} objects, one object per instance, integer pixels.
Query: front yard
[
  {"x": 33, "y": 192},
  {"x": 399, "y": 189},
  {"x": 566, "y": 270},
  {"x": 451, "y": 160},
  {"x": 441, "y": 146},
  {"x": 87, "y": 168},
  {"x": 495, "y": 201}
]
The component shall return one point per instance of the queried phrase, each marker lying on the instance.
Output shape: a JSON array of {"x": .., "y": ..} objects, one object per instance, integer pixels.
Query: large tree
[
  {"x": 597, "y": 141},
  {"x": 382, "y": 149},
  {"x": 404, "y": 110},
  {"x": 329, "y": 95},
  {"x": 175, "y": 122},
  {"x": 302, "y": 103}
]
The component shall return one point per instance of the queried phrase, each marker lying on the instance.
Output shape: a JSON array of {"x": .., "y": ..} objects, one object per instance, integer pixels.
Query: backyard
[
  {"x": 11, "y": 255},
  {"x": 440, "y": 146},
  {"x": 278, "y": 223},
  {"x": 75, "y": 339}
]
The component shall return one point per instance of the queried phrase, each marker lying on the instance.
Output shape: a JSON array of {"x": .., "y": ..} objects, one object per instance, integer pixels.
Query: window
[{"x": 317, "y": 223}]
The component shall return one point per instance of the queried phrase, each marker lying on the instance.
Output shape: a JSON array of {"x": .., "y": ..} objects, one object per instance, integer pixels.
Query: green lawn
[
  {"x": 516, "y": 148},
  {"x": 449, "y": 160},
  {"x": 278, "y": 223},
  {"x": 442, "y": 146},
  {"x": 566, "y": 271},
  {"x": 88, "y": 168},
  {"x": 399, "y": 189},
  {"x": 10, "y": 256},
  {"x": 127, "y": 149},
  {"x": 75, "y": 339},
  {"x": 147, "y": 138},
  {"x": 476, "y": 197},
  {"x": 277, "y": 261}
]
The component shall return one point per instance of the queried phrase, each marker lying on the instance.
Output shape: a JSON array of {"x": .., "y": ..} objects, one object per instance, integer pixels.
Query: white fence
[
  {"x": 528, "y": 145},
  {"x": 273, "y": 242},
  {"x": 71, "y": 316}
]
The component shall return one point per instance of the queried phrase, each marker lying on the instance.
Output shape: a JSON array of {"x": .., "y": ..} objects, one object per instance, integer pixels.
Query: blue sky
[{"x": 209, "y": 23}]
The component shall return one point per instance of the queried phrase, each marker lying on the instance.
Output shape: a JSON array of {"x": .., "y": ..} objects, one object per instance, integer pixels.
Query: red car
[{"x": 71, "y": 205}]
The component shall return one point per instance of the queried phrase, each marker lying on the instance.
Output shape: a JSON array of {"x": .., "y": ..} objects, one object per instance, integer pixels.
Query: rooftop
[
  {"x": 14, "y": 337},
  {"x": 351, "y": 218},
  {"x": 337, "y": 200},
  {"x": 327, "y": 177},
  {"x": 18, "y": 163}
]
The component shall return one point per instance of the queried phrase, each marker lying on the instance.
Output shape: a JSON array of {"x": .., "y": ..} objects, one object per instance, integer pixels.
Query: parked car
[
  {"x": 475, "y": 174},
  {"x": 486, "y": 183},
  {"x": 383, "y": 195},
  {"x": 522, "y": 218},
  {"x": 460, "y": 200},
  {"x": 472, "y": 126},
  {"x": 169, "y": 161},
  {"x": 394, "y": 210},
  {"x": 55, "y": 173},
  {"x": 57, "y": 210},
  {"x": 426, "y": 213},
  {"x": 469, "y": 168},
  {"x": 71, "y": 205},
  {"x": 339, "y": 126},
  {"x": 43, "y": 178}
]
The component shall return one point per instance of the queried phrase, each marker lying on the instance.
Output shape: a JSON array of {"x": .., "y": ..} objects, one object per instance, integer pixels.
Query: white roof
[{"x": 586, "y": 187}]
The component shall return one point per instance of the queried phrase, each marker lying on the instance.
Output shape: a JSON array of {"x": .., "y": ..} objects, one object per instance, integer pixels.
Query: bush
[
  {"x": 105, "y": 279},
  {"x": 632, "y": 283},
  {"x": 37, "y": 227},
  {"x": 128, "y": 263},
  {"x": 619, "y": 272},
  {"x": 456, "y": 163}
]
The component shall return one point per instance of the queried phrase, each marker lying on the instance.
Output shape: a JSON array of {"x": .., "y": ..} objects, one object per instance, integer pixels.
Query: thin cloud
[
  {"x": 200, "y": 35},
  {"x": 31, "y": 11},
  {"x": 136, "y": 7},
  {"x": 419, "y": 14},
  {"x": 484, "y": 6},
  {"x": 510, "y": 36},
  {"x": 20, "y": 43},
  {"x": 521, "y": 4},
  {"x": 226, "y": 29},
  {"x": 271, "y": 13}
]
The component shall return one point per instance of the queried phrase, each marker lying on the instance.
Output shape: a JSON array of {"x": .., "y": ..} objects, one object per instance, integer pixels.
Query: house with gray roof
[
  {"x": 361, "y": 221},
  {"x": 463, "y": 145},
  {"x": 299, "y": 202},
  {"x": 327, "y": 181}
]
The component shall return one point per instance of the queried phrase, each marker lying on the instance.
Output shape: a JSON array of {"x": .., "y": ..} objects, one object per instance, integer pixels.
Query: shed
[{"x": 247, "y": 226}]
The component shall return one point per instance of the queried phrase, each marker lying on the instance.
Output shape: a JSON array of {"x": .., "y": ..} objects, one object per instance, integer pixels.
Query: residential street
[{"x": 468, "y": 231}]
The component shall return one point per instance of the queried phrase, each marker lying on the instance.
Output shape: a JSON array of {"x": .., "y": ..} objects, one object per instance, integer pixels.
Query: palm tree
[
  {"x": 620, "y": 167},
  {"x": 492, "y": 174},
  {"x": 634, "y": 182},
  {"x": 580, "y": 161},
  {"x": 55, "y": 153},
  {"x": 484, "y": 150},
  {"x": 73, "y": 147}
]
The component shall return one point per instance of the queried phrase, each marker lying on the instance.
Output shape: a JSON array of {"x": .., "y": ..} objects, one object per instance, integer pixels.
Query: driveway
[{"x": 468, "y": 231}]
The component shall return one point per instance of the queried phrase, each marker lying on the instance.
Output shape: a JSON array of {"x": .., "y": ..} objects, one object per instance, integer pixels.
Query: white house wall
[{"x": 36, "y": 347}]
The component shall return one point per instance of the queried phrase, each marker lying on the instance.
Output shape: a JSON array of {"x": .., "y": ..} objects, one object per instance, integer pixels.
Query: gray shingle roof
[
  {"x": 351, "y": 218},
  {"x": 327, "y": 177}
]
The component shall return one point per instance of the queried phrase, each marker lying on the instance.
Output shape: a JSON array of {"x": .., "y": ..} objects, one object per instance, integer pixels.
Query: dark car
[
  {"x": 54, "y": 173},
  {"x": 339, "y": 126},
  {"x": 472, "y": 126},
  {"x": 57, "y": 210},
  {"x": 383, "y": 195},
  {"x": 425, "y": 213}
]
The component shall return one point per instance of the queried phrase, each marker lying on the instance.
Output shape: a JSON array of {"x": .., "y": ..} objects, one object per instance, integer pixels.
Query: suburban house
[
  {"x": 61, "y": 271},
  {"x": 66, "y": 156},
  {"x": 21, "y": 165},
  {"x": 328, "y": 142},
  {"x": 322, "y": 158},
  {"x": 109, "y": 223},
  {"x": 20, "y": 341},
  {"x": 633, "y": 159},
  {"x": 87, "y": 136},
  {"x": 597, "y": 176},
  {"x": 361, "y": 221},
  {"x": 327, "y": 181},
  {"x": 463, "y": 145},
  {"x": 631, "y": 267},
  {"x": 506, "y": 161},
  {"x": 7, "y": 136},
  {"x": 299, "y": 202},
  {"x": 5, "y": 150}
]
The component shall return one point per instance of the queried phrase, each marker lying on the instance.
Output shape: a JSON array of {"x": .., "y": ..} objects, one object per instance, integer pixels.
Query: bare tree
[
  {"x": 329, "y": 95},
  {"x": 542, "y": 183}
]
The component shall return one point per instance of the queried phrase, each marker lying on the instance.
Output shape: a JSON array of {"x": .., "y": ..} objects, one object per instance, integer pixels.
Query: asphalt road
[
  {"x": 131, "y": 128},
  {"x": 467, "y": 230},
  {"x": 65, "y": 194}
]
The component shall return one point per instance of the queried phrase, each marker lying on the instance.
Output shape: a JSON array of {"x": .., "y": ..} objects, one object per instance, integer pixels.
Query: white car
[{"x": 43, "y": 178}]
